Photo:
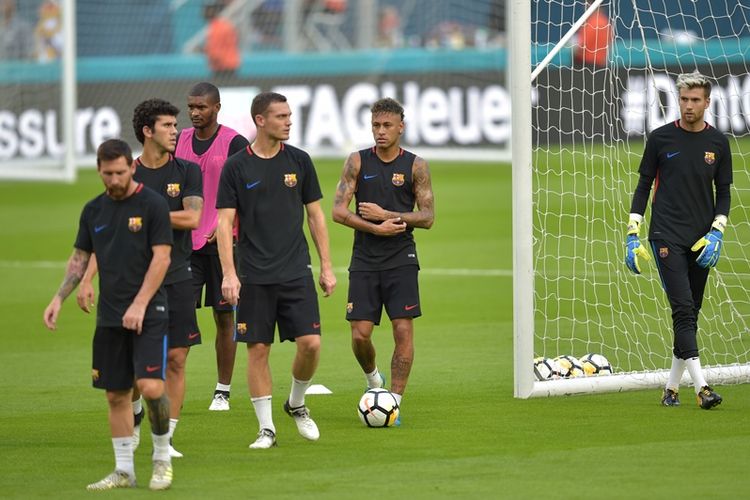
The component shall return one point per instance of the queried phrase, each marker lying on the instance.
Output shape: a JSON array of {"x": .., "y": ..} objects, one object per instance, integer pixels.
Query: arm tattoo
[
  {"x": 77, "y": 265},
  {"x": 423, "y": 193},
  {"x": 192, "y": 203},
  {"x": 347, "y": 184}
]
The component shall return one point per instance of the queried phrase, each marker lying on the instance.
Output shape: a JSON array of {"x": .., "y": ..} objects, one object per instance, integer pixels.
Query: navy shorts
[
  {"x": 120, "y": 355},
  {"x": 207, "y": 272},
  {"x": 183, "y": 324},
  {"x": 396, "y": 289},
  {"x": 292, "y": 305}
]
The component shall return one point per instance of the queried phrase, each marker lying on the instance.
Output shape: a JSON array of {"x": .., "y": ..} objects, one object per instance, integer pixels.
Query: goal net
[{"x": 593, "y": 106}]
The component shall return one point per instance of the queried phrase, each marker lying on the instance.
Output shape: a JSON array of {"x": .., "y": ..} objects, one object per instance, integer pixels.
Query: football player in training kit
[
  {"x": 387, "y": 181},
  {"x": 128, "y": 228},
  {"x": 270, "y": 186},
  {"x": 685, "y": 160},
  {"x": 179, "y": 182},
  {"x": 209, "y": 144}
]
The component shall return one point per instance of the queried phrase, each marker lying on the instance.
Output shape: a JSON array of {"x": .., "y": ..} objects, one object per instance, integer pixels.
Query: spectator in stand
[
  {"x": 16, "y": 35},
  {"x": 222, "y": 42},
  {"x": 48, "y": 32},
  {"x": 389, "y": 28},
  {"x": 593, "y": 41}
]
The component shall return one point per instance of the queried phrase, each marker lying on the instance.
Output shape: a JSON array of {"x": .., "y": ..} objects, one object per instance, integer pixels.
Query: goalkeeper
[{"x": 684, "y": 160}]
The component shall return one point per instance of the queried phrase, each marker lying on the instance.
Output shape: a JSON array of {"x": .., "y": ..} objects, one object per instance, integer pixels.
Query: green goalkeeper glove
[
  {"x": 633, "y": 247},
  {"x": 711, "y": 243}
]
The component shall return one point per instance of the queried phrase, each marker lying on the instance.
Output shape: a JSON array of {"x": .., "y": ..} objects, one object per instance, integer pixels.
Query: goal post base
[{"x": 720, "y": 375}]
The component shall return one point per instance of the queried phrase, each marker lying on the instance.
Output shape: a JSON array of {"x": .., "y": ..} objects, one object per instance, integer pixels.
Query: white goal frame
[
  {"x": 525, "y": 384},
  {"x": 64, "y": 168}
]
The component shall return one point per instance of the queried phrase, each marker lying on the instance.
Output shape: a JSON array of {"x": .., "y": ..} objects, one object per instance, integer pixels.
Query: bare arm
[
  {"x": 316, "y": 221},
  {"x": 424, "y": 215},
  {"x": 230, "y": 285},
  {"x": 157, "y": 269},
  {"x": 86, "y": 295},
  {"x": 189, "y": 217},
  {"x": 75, "y": 269},
  {"x": 345, "y": 192}
]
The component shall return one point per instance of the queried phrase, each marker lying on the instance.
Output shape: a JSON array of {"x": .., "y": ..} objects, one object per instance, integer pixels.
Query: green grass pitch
[{"x": 463, "y": 433}]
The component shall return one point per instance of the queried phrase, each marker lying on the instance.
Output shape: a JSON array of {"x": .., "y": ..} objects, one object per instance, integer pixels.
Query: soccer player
[
  {"x": 179, "y": 182},
  {"x": 387, "y": 181},
  {"x": 269, "y": 186},
  {"x": 687, "y": 158},
  {"x": 209, "y": 144},
  {"x": 128, "y": 228}
]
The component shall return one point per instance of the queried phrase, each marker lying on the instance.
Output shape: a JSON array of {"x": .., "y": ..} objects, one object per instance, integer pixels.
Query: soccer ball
[
  {"x": 596, "y": 364},
  {"x": 378, "y": 408},
  {"x": 546, "y": 368},
  {"x": 569, "y": 366}
]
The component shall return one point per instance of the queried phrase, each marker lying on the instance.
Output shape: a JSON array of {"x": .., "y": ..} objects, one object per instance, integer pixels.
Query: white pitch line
[{"x": 505, "y": 273}]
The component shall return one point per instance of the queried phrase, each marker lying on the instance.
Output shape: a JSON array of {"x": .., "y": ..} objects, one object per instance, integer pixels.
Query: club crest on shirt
[
  {"x": 664, "y": 252},
  {"x": 135, "y": 224},
  {"x": 290, "y": 180},
  {"x": 349, "y": 307},
  {"x": 398, "y": 179},
  {"x": 241, "y": 328},
  {"x": 710, "y": 157},
  {"x": 94, "y": 374},
  {"x": 173, "y": 190}
]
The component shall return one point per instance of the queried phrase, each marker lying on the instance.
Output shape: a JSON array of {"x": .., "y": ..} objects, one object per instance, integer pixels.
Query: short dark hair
[
  {"x": 112, "y": 149},
  {"x": 387, "y": 105},
  {"x": 262, "y": 101},
  {"x": 145, "y": 115},
  {"x": 205, "y": 89}
]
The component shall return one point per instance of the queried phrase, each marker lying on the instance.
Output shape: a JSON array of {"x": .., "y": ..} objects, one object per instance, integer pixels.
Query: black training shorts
[
  {"x": 292, "y": 305},
  {"x": 397, "y": 289},
  {"x": 183, "y": 324},
  {"x": 120, "y": 355}
]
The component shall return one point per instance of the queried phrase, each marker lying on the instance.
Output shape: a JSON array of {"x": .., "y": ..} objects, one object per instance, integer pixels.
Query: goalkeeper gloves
[
  {"x": 711, "y": 243},
  {"x": 633, "y": 247}
]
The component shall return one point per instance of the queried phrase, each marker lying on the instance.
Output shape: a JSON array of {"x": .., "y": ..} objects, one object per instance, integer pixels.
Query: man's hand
[
  {"x": 230, "y": 289},
  {"x": 51, "y": 312},
  {"x": 372, "y": 212},
  {"x": 633, "y": 247},
  {"x": 86, "y": 297},
  {"x": 133, "y": 318},
  {"x": 711, "y": 244},
  {"x": 327, "y": 281},
  {"x": 391, "y": 227}
]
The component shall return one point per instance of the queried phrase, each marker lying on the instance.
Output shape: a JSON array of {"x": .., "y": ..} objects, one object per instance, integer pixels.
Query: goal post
[
  {"x": 61, "y": 166},
  {"x": 576, "y": 147}
]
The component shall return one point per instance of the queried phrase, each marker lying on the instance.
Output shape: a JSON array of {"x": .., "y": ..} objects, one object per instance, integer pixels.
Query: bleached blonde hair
[{"x": 694, "y": 80}]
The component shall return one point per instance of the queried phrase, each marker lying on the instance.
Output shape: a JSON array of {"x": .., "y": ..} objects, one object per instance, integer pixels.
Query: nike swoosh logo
[
  {"x": 152, "y": 369},
  {"x": 251, "y": 185},
  {"x": 99, "y": 228},
  {"x": 409, "y": 308},
  {"x": 672, "y": 155},
  {"x": 193, "y": 335},
  {"x": 223, "y": 302},
  {"x": 368, "y": 177},
  {"x": 316, "y": 325}
]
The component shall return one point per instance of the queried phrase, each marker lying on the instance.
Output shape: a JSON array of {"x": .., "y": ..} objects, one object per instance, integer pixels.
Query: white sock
[
  {"x": 172, "y": 426},
  {"x": 297, "y": 394},
  {"x": 263, "y": 412},
  {"x": 397, "y": 397},
  {"x": 161, "y": 447},
  {"x": 137, "y": 406},
  {"x": 373, "y": 379},
  {"x": 222, "y": 387},
  {"x": 124, "y": 455},
  {"x": 675, "y": 373},
  {"x": 696, "y": 373}
]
